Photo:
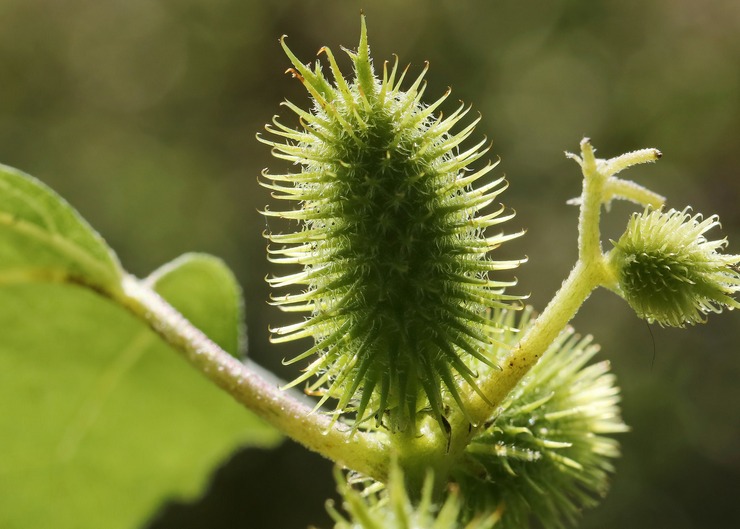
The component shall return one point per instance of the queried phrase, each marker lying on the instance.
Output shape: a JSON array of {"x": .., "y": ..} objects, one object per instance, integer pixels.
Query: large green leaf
[{"x": 100, "y": 421}]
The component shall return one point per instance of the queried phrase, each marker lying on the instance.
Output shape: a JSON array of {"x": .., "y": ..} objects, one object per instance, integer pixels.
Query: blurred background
[{"x": 143, "y": 114}]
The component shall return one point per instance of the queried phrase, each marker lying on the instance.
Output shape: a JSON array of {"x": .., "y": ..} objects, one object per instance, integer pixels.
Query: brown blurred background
[{"x": 143, "y": 114}]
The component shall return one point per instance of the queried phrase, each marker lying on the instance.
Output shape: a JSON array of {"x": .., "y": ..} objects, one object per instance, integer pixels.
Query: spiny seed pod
[
  {"x": 396, "y": 266},
  {"x": 670, "y": 273},
  {"x": 391, "y": 508},
  {"x": 547, "y": 454}
]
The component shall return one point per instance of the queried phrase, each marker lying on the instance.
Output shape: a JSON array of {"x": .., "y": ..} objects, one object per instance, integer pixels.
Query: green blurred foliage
[{"x": 142, "y": 113}]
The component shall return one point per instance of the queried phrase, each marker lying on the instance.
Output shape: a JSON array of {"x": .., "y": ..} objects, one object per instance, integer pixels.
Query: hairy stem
[
  {"x": 626, "y": 190},
  {"x": 591, "y": 271},
  {"x": 364, "y": 452},
  {"x": 589, "y": 229},
  {"x": 583, "y": 279}
]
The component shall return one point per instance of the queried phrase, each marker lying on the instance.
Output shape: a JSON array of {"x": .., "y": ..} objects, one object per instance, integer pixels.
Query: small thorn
[{"x": 294, "y": 73}]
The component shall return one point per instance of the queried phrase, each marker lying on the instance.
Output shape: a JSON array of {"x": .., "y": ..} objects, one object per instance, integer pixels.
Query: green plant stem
[
  {"x": 590, "y": 271},
  {"x": 627, "y": 190},
  {"x": 581, "y": 281},
  {"x": 366, "y": 453},
  {"x": 589, "y": 229},
  {"x": 442, "y": 450}
]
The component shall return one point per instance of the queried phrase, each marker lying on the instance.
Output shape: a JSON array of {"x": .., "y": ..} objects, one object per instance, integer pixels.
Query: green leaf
[
  {"x": 100, "y": 420},
  {"x": 204, "y": 290},
  {"x": 43, "y": 238}
]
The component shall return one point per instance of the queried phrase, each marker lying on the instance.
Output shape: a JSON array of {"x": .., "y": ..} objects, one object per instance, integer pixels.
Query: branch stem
[
  {"x": 581, "y": 281},
  {"x": 364, "y": 452},
  {"x": 590, "y": 271}
]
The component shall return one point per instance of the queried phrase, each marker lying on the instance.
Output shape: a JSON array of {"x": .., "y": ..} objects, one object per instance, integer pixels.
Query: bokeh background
[{"x": 143, "y": 114}]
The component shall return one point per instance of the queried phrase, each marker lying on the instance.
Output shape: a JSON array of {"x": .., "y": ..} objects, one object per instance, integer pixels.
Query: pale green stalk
[
  {"x": 442, "y": 450},
  {"x": 590, "y": 271},
  {"x": 366, "y": 453}
]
